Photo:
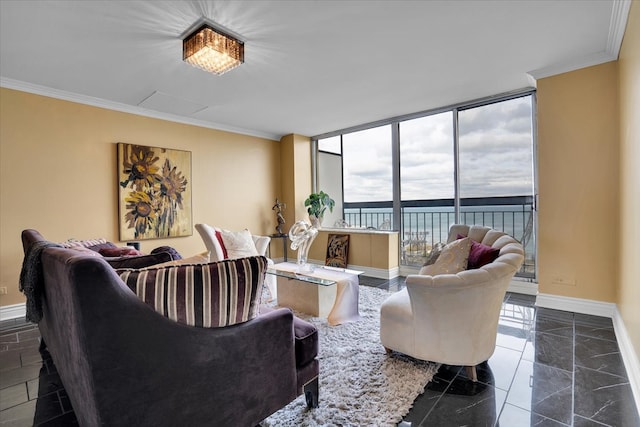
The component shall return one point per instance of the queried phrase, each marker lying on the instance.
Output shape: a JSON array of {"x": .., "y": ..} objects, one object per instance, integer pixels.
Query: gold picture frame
[{"x": 154, "y": 192}]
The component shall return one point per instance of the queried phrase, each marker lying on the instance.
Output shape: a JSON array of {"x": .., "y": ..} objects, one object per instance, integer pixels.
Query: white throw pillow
[
  {"x": 239, "y": 244},
  {"x": 453, "y": 259}
]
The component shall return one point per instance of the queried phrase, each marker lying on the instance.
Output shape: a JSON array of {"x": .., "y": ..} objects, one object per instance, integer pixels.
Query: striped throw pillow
[{"x": 211, "y": 295}]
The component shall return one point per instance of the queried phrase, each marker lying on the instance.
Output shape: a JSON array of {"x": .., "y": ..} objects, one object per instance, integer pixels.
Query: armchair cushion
[
  {"x": 225, "y": 244},
  {"x": 208, "y": 295},
  {"x": 436, "y": 250},
  {"x": 238, "y": 244},
  {"x": 453, "y": 259},
  {"x": 481, "y": 254},
  {"x": 212, "y": 238},
  {"x": 220, "y": 241}
]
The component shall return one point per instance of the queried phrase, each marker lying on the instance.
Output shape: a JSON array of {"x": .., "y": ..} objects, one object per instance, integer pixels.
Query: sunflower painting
[{"x": 154, "y": 192}]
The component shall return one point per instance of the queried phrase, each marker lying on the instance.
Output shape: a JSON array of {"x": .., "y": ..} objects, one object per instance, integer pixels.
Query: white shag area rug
[{"x": 359, "y": 384}]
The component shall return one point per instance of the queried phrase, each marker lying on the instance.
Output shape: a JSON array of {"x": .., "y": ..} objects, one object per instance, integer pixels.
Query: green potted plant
[{"x": 317, "y": 204}]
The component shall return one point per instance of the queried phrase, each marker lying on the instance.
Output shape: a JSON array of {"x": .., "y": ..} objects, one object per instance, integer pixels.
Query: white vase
[{"x": 315, "y": 221}]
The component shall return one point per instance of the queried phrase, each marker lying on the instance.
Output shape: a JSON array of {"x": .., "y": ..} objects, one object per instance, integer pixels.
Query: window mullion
[
  {"x": 395, "y": 173},
  {"x": 456, "y": 168}
]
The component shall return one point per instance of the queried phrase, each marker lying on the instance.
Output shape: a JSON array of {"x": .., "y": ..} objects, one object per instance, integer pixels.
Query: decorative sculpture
[
  {"x": 279, "y": 207},
  {"x": 302, "y": 235}
]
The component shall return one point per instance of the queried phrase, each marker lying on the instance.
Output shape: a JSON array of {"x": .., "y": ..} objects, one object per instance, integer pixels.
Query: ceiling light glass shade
[{"x": 212, "y": 50}]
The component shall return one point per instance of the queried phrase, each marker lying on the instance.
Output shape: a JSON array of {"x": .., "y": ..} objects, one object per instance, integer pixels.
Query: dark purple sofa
[{"x": 124, "y": 364}]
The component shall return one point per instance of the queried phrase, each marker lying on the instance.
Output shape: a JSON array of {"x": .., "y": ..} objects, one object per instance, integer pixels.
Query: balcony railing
[{"x": 427, "y": 222}]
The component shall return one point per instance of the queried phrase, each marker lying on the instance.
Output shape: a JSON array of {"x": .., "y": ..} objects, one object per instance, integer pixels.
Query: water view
[{"x": 422, "y": 226}]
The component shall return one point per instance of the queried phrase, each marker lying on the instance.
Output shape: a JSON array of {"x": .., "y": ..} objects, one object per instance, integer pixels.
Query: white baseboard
[
  {"x": 14, "y": 311},
  {"x": 629, "y": 356},
  {"x": 576, "y": 305},
  {"x": 379, "y": 273},
  {"x": 604, "y": 309},
  {"x": 523, "y": 287}
]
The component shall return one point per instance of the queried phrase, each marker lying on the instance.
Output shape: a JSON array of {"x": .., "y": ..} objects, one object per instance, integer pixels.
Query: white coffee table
[{"x": 326, "y": 292}]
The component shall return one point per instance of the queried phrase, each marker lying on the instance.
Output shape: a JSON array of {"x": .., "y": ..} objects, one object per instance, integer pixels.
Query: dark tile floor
[{"x": 550, "y": 368}]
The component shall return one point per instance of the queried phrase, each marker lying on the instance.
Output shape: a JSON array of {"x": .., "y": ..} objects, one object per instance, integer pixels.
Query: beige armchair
[
  {"x": 453, "y": 318},
  {"x": 236, "y": 247}
]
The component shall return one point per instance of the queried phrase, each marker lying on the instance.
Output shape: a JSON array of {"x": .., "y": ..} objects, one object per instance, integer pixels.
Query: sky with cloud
[{"x": 496, "y": 155}]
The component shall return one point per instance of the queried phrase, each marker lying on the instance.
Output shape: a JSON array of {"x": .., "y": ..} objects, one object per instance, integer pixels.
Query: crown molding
[
  {"x": 617, "y": 25},
  {"x": 124, "y": 108},
  {"x": 572, "y": 65}
]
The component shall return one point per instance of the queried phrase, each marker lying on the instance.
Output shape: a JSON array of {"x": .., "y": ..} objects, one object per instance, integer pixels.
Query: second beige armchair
[{"x": 453, "y": 318}]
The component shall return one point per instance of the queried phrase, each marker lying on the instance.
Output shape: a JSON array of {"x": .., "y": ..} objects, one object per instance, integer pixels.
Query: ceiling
[{"x": 311, "y": 67}]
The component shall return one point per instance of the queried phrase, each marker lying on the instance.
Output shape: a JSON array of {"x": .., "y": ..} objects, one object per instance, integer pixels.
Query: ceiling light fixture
[{"x": 212, "y": 50}]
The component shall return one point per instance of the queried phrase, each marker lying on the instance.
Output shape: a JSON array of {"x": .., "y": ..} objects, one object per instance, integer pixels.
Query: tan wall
[
  {"x": 629, "y": 66},
  {"x": 578, "y": 165},
  {"x": 58, "y": 175},
  {"x": 296, "y": 183}
]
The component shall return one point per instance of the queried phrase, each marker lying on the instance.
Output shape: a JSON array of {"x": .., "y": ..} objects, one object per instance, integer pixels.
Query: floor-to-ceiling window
[
  {"x": 470, "y": 163},
  {"x": 495, "y": 152},
  {"x": 427, "y": 186},
  {"x": 367, "y": 166},
  {"x": 367, "y": 183}
]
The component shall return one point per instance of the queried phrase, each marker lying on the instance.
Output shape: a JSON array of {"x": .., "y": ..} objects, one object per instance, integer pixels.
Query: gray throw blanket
[{"x": 31, "y": 279}]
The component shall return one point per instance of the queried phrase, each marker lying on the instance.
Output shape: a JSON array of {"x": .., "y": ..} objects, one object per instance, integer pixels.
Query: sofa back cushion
[
  {"x": 210, "y": 295},
  {"x": 93, "y": 244},
  {"x": 141, "y": 261},
  {"x": 123, "y": 251}
]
